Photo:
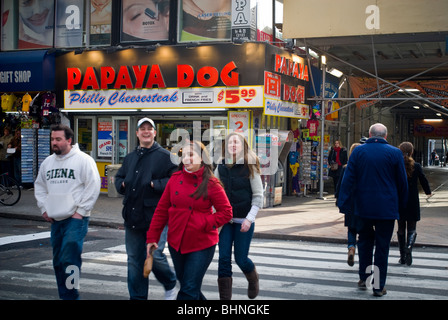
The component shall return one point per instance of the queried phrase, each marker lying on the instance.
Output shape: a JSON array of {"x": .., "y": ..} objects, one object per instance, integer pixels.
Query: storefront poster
[
  {"x": 36, "y": 24},
  {"x": 204, "y": 20},
  {"x": 105, "y": 137},
  {"x": 239, "y": 121},
  {"x": 9, "y": 23},
  {"x": 145, "y": 21},
  {"x": 244, "y": 20},
  {"x": 170, "y": 98},
  {"x": 69, "y": 23},
  {"x": 100, "y": 22}
]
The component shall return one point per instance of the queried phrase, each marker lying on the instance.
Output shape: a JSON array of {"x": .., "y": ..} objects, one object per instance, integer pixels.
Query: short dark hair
[{"x": 68, "y": 132}]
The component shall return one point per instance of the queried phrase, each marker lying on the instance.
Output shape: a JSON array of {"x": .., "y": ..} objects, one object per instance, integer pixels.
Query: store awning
[{"x": 22, "y": 71}]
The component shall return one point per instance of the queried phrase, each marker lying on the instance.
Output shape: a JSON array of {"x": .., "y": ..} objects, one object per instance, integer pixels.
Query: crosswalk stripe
[{"x": 288, "y": 270}]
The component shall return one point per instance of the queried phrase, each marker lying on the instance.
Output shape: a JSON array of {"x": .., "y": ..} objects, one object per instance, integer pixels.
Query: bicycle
[{"x": 10, "y": 191}]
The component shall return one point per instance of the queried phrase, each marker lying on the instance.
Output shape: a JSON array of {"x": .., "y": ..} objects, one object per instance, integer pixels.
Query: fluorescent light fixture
[
  {"x": 335, "y": 72},
  {"x": 323, "y": 59},
  {"x": 416, "y": 107},
  {"x": 433, "y": 120},
  {"x": 409, "y": 90},
  {"x": 438, "y": 114}
]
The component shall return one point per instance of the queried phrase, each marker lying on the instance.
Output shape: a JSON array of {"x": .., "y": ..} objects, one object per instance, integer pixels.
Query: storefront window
[{"x": 84, "y": 135}]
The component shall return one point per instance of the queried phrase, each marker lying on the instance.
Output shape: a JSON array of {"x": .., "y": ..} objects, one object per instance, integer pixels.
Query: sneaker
[
  {"x": 171, "y": 294},
  {"x": 362, "y": 285},
  {"x": 379, "y": 293}
]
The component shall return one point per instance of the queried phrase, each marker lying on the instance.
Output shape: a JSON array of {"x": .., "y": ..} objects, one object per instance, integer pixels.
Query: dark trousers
[
  {"x": 190, "y": 271},
  {"x": 373, "y": 249}
]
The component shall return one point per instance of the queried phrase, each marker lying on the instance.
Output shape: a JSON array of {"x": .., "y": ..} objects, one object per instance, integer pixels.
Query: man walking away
[{"x": 377, "y": 176}]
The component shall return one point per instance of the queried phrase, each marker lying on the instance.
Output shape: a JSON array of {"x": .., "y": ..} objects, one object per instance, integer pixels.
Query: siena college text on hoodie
[{"x": 67, "y": 184}]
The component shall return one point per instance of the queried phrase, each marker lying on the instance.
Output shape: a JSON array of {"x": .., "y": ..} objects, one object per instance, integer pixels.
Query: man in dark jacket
[
  {"x": 377, "y": 176},
  {"x": 142, "y": 179}
]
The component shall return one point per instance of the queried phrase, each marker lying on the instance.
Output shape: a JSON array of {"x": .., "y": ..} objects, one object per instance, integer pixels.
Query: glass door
[{"x": 120, "y": 139}]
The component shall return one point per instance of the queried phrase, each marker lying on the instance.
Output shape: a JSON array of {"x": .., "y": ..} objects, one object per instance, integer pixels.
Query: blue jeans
[
  {"x": 190, "y": 270},
  {"x": 374, "y": 233},
  {"x": 136, "y": 250},
  {"x": 67, "y": 239},
  {"x": 231, "y": 235},
  {"x": 351, "y": 237}
]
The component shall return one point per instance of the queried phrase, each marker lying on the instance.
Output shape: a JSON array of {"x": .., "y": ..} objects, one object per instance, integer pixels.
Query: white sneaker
[{"x": 171, "y": 294}]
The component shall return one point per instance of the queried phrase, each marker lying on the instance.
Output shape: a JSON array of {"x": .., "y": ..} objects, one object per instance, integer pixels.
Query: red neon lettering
[
  {"x": 185, "y": 75},
  {"x": 155, "y": 77},
  {"x": 123, "y": 78},
  {"x": 90, "y": 80},
  {"x": 213, "y": 76},
  {"x": 107, "y": 76},
  {"x": 228, "y": 76},
  {"x": 139, "y": 72},
  {"x": 73, "y": 77}
]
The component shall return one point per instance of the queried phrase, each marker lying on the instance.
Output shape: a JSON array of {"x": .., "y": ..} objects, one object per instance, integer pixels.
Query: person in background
[
  {"x": 66, "y": 190},
  {"x": 410, "y": 214},
  {"x": 142, "y": 179},
  {"x": 240, "y": 174},
  {"x": 376, "y": 179},
  {"x": 350, "y": 220},
  {"x": 187, "y": 206},
  {"x": 337, "y": 157},
  {"x": 5, "y": 140},
  {"x": 16, "y": 143}
]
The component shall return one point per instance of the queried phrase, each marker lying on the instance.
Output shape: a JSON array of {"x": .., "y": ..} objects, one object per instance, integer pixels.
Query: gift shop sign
[{"x": 144, "y": 86}]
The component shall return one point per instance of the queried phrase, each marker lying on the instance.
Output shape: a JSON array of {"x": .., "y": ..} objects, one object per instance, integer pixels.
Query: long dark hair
[
  {"x": 207, "y": 175},
  {"x": 407, "y": 149}
]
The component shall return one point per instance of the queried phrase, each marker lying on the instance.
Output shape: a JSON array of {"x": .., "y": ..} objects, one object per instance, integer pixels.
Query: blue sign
[{"x": 22, "y": 71}]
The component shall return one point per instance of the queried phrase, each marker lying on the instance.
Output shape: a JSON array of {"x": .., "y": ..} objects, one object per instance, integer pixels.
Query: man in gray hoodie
[{"x": 66, "y": 189}]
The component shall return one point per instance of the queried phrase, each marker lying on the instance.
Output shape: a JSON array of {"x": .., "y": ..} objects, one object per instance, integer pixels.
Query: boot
[
  {"x": 401, "y": 246},
  {"x": 252, "y": 278},
  {"x": 412, "y": 236},
  {"x": 351, "y": 256},
  {"x": 225, "y": 288}
]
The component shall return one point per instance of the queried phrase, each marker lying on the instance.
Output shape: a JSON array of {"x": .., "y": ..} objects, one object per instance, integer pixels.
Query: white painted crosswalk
[{"x": 288, "y": 270}]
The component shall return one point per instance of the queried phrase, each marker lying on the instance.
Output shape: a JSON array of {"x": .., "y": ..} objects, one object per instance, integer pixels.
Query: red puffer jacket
[{"x": 192, "y": 225}]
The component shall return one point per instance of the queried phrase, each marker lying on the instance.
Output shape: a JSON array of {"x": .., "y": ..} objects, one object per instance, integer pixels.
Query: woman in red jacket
[{"x": 186, "y": 206}]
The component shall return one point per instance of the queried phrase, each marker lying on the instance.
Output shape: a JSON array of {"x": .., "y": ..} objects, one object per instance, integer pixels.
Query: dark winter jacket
[
  {"x": 139, "y": 169},
  {"x": 376, "y": 178},
  {"x": 237, "y": 185},
  {"x": 412, "y": 210}
]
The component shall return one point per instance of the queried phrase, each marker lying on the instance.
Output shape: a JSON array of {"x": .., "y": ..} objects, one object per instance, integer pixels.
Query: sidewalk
[{"x": 297, "y": 218}]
